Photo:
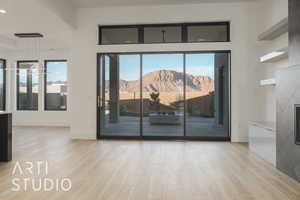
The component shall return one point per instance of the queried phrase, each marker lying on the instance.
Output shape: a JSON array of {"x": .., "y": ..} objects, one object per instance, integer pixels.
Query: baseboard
[
  {"x": 81, "y": 137},
  {"x": 78, "y": 135},
  {"x": 40, "y": 125},
  {"x": 240, "y": 140}
]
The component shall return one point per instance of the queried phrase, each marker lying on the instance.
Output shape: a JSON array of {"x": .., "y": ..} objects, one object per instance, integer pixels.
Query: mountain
[
  {"x": 168, "y": 81},
  {"x": 24, "y": 84}
]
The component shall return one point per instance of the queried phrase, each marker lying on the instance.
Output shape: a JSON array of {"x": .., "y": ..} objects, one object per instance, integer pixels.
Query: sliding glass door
[
  {"x": 163, "y": 85},
  {"x": 120, "y": 95},
  {"x": 170, "y": 95},
  {"x": 207, "y": 99}
]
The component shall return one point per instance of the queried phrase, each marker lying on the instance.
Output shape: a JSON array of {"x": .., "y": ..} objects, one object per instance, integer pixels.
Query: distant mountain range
[
  {"x": 23, "y": 84},
  {"x": 161, "y": 81},
  {"x": 168, "y": 81}
]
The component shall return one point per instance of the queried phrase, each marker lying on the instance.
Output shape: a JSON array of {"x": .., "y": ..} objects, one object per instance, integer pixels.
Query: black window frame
[
  {"x": 139, "y": 28},
  {"x": 184, "y": 32},
  {"x": 227, "y": 24},
  {"x": 184, "y": 137},
  {"x": 4, "y": 84},
  {"x": 18, "y": 84},
  {"x": 297, "y": 124},
  {"x": 45, "y": 85},
  {"x": 161, "y": 25}
]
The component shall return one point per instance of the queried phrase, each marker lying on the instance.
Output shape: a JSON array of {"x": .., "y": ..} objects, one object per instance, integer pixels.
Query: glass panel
[
  {"x": 163, "y": 105},
  {"x": 162, "y": 34},
  {"x": 2, "y": 85},
  {"x": 207, "y": 33},
  {"x": 28, "y": 86},
  {"x": 297, "y": 124},
  {"x": 119, "y": 35},
  {"x": 206, "y": 95},
  {"x": 121, "y": 97},
  {"x": 56, "y": 85}
]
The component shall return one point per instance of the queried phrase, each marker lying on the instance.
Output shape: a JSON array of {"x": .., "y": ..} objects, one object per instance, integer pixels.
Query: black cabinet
[{"x": 5, "y": 137}]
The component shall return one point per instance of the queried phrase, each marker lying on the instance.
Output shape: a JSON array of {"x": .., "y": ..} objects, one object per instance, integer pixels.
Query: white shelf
[
  {"x": 275, "y": 31},
  {"x": 266, "y": 82},
  {"x": 275, "y": 56}
]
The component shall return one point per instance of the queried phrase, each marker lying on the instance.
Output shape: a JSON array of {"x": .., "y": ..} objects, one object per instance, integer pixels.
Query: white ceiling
[
  {"x": 100, "y": 3},
  {"x": 30, "y": 16}
]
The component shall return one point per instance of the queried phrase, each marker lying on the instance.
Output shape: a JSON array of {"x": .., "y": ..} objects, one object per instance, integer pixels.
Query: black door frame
[
  {"x": 141, "y": 136},
  {"x": 4, "y": 84}
]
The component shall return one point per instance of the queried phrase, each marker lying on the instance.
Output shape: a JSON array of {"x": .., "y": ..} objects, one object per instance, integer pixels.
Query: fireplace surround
[{"x": 288, "y": 102}]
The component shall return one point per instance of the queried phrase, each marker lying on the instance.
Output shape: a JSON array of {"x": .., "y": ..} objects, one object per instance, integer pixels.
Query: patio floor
[{"x": 195, "y": 126}]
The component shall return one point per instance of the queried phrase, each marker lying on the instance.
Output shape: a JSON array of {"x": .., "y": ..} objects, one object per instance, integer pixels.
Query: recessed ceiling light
[{"x": 2, "y": 11}]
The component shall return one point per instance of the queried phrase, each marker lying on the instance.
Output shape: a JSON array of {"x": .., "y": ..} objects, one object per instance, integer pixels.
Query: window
[
  {"x": 56, "y": 84},
  {"x": 171, "y": 94},
  {"x": 165, "y": 33},
  {"x": 208, "y": 33},
  {"x": 27, "y": 85},
  {"x": 162, "y": 34},
  {"x": 2, "y": 84},
  {"x": 119, "y": 35}
]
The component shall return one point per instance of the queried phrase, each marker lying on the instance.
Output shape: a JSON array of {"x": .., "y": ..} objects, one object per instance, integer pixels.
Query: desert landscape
[{"x": 168, "y": 85}]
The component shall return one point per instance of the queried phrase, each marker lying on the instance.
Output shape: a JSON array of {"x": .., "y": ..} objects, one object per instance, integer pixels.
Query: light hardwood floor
[{"x": 142, "y": 170}]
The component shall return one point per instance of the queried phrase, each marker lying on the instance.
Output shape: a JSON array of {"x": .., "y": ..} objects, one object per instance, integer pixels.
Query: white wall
[
  {"x": 249, "y": 101},
  {"x": 270, "y": 12},
  {"x": 40, "y": 117},
  {"x": 7, "y": 54},
  {"x": 83, "y": 55}
]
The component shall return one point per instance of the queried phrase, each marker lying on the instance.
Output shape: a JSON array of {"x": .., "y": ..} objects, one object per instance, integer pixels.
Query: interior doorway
[{"x": 183, "y": 95}]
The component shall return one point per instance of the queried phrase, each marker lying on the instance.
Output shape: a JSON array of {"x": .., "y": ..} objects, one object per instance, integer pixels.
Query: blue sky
[
  {"x": 1, "y": 76},
  {"x": 196, "y": 64},
  {"x": 56, "y": 71}
]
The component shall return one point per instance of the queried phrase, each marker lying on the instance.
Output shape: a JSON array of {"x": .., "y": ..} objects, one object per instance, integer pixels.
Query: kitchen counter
[
  {"x": 5, "y": 112},
  {"x": 5, "y": 136}
]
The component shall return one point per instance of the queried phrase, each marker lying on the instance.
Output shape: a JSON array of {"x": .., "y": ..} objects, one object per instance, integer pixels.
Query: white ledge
[
  {"x": 266, "y": 82},
  {"x": 271, "y": 126},
  {"x": 275, "y": 56},
  {"x": 275, "y": 31}
]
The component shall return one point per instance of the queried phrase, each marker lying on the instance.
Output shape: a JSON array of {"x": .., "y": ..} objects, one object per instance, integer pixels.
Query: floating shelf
[
  {"x": 275, "y": 31},
  {"x": 271, "y": 82},
  {"x": 275, "y": 56}
]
